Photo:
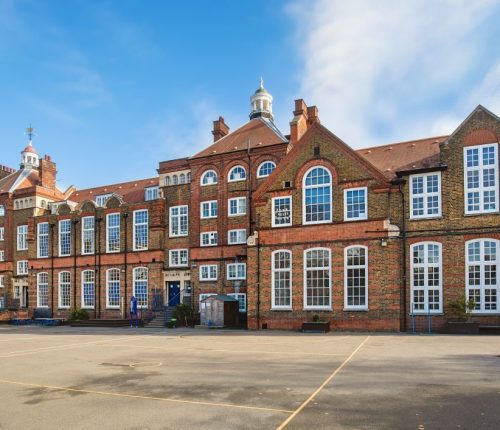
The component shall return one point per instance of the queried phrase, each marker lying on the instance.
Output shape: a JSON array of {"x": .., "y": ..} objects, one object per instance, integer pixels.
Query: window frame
[
  {"x": 236, "y": 230},
  {"x": 151, "y": 193},
  {"x": 273, "y": 208},
  {"x": 179, "y": 251},
  {"x": 482, "y": 287},
  {"x": 231, "y": 172},
  {"x": 261, "y": 165},
  {"x": 2, "y": 210},
  {"x": 60, "y": 237},
  {"x": 308, "y": 187},
  {"x": 208, "y": 279},
  {"x": 102, "y": 199},
  {"x": 425, "y": 288},
  {"x": 60, "y": 286},
  {"x": 274, "y": 271},
  {"x": 348, "y": 307},
  {"x": 2, "y": 233},
  {"x": 141, "y": 302},
  {"x": 481, "y": 189},
  {"x": 237, "y": 199},
  {"x": 363, "y": 217},
  {"x": 425, "y": 195},
  {"x": 137, "y": 226},
  {"x": 328, "y": 268},
  {"x": 204, "y": 174},
  {"x": 39, "y": 284},
  {"x": 237, "y": 277},
  {"x": 170, "y": 218},
  {"x": 39, "y": 236},
  {"x": 92, "y": 235},
  {"x": 22, "y": 237},
  {"x": 211, "y": 235},
  {"x": 23, "y": 264},
  {"x": 85, "y": 284},
  {"x": 2, "y": 255},
  {"x": 114, "y": 227},
  {"x": 108, "y": 272},
  {"x": 210, "y": 204}
]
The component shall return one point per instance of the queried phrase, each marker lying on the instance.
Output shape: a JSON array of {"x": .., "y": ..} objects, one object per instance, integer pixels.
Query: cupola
[
  {"x": 29, "y": 156},
  {"x": 261, "y": 103}
]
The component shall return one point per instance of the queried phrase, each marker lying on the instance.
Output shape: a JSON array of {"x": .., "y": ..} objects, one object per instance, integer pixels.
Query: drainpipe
[
  {"x": 258, "y": 275},
  {"x": 99, "y": 220},
  {"x": 74, "y": 222},
  {"x": 404, "y": 280},
  {"x": 125, "y": 218},
  {"x": 95, "y": 263},
  {"x": 52, "y": 225}
]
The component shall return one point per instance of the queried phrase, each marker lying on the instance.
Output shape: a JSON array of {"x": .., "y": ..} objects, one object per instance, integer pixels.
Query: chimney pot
[{"x": 220, "y": 129}]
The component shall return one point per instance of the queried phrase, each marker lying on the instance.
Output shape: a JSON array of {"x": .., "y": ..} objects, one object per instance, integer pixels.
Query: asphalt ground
[{"x": 62, "y": 377}]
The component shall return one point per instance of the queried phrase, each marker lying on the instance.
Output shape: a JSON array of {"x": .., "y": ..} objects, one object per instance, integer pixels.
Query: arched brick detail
[
  {"x": 258, "y": 161},
  {"x": 233, "y": 163},
  {"x": 313, "y": 163},
  {"x": 480, "y": 137},
  {"x": 87, "y": 206},
  {"x": 64, "y": 209},
  {"x": 199, "y": 172}
]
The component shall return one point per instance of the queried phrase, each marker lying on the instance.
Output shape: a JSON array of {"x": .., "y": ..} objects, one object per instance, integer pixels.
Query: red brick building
[{"x": 294, "y": 226}]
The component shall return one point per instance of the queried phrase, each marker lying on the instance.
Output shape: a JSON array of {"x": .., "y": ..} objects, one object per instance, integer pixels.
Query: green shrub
[
  {"x": 460, "y": 308},
  {"x": 79, "y": 315},
  {"x": 183, "y": 314}
]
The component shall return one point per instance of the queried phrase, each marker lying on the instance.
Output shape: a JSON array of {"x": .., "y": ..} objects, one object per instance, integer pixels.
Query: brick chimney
[
  {"x": 220, "y": 130},
  {"x": 5, "y": 171},
  {"x": 303, "y": 118},
  {"x": 47, "y": 173}
]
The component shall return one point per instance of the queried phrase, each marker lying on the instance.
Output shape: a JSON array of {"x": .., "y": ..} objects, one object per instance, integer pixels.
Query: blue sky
[{"x": 115, "y": 87}]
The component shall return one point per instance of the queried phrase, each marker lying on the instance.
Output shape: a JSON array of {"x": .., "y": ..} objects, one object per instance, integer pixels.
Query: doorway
[{"x": 174, "y": 293}]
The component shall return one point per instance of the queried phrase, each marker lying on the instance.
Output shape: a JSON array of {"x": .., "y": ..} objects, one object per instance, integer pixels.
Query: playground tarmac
[{"x": 62, "y": 377}]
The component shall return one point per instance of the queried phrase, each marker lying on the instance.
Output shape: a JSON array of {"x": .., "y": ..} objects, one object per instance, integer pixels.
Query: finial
[
  {"x": 30, "y": 132},
  {"x": 261, "y": 82}
]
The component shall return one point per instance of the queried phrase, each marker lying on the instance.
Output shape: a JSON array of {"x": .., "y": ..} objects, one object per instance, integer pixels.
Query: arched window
[
  {"x": 282, "y": 280},
  {"x": 2, "y": 210},
  {"x": 188, "y": 177},
  {"x": 317, "y": 279},
  {"x": 64, "y": 289},
  {"x": 209, "y": 178},
  {"x": 42, "y": 290},
  {"x": 237, "y": 173},
  {"x": 112, "y": 288},
  {"x": 88, "y": 289},
  {"x": 265, "y": 169},
  {"x": 481, "y": 274},
  {"x": 426, "y": 277},
  {"x": 317, "y": 196},
  {"x": 141, "y": 286},
  {"x": 182, "y": 178},
  {"x": 356, "y": 277},
  {"x": 167, "y": 181},
  {"x": 176, "y": 179}
]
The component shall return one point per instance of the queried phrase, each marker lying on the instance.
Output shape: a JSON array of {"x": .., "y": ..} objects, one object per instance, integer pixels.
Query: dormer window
[
  {"x": 209, "y": 178},
  {"x": 237, "y": 173},
  {"x": 151, "y": 193},
  {"x": 101, "y": 200}
]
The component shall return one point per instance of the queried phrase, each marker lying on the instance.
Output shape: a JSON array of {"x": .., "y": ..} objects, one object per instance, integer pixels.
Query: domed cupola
[
  {"x": 29, "y": 156},
  {"x": 261, "y": 103}
]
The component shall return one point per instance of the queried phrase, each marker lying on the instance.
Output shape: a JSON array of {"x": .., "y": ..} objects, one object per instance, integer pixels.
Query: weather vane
[{"x": 30, "y": 132}]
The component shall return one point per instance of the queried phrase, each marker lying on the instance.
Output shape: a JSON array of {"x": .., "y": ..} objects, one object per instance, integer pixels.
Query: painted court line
[
  {"x": 133, "y": 396},
  {"x": 56, "y": 348},
  {"x": 323, "y": 385}
]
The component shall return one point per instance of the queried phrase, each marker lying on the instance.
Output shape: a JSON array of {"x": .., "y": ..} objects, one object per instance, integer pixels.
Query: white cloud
[{"x": 395, "y": 70}]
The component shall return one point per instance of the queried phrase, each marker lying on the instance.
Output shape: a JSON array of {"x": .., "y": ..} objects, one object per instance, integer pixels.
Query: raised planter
[
  {"x": 461, "y": 327},
  {"x": 316, "y": 327}
]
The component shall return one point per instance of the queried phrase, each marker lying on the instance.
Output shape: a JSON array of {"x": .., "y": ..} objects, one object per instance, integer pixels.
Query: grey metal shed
[{"x": 219, "y": 311}]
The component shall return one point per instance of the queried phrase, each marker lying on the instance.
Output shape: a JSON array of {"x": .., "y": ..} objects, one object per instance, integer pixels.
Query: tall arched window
[
  {"x": 237, "y": 173},
  {"x": 317, "y": 279},
  {"x": 426, "y": 277},
  {"x": 175, "y": 179},
  {"x": 265, "y": 169},
  {"x": 42, "y": 290},
  {"x": 182, "y": 178},
  {"x": 2, "y": 210},
  {"x": 209, "y": 178},
  {"x": 188, "y": 177},
  {"x": 481, "y": 274},
  {"x": 88, "y": 289},
  {"x": 141, "y": 286},
  {"x": 167, "y": 181},
  {"x": 356, "y": 277},
  {"x": 64, "y": 289},
  {"x": 112, "y": 288},
  {"x": 317, "y": 196},
  {"x": 282, "y": 280}
]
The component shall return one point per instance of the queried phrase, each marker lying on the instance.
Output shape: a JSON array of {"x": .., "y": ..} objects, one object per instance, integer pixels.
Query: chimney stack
[
  {"x": 47, "y": 173},
  {"x": 220, "y": 130}
]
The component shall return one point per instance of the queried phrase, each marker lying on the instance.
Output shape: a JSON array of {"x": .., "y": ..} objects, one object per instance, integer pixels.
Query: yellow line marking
[
  {"x": 134, "y": 396},
  {"x": 56, "y": 348},
  {"x": 327, "y": 380},
  {"x": 171, "y": 349},
  {"x": 146, "y": 364}
]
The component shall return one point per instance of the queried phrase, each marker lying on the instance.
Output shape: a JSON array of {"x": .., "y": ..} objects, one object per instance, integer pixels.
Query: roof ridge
[
  {"x": 403, "y": 142},
  {"x": 116, "y": 184}
]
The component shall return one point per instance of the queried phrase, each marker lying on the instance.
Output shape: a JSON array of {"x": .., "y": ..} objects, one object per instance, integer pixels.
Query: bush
[
  {"x": 79, "y": 314},
  {"x": 183, "y": 314},
  {"x": 315, "y": 318},
  {"x": 460, "y": 308}
]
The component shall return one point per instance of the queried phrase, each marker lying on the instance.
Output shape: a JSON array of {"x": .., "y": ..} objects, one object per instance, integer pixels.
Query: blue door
[{"x": 174, "y": 293}]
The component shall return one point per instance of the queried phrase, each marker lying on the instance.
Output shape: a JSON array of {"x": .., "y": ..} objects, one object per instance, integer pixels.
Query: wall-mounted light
[{"x": 383, "y": 242}]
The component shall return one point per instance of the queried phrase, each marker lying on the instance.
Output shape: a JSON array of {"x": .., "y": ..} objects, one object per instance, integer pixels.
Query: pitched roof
[
  {"x": 258, "y": 131},
  {"x": 23, "y": 178},
  {"x": 413, "y": 154},
  {"x": 131, "y": 192}
]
